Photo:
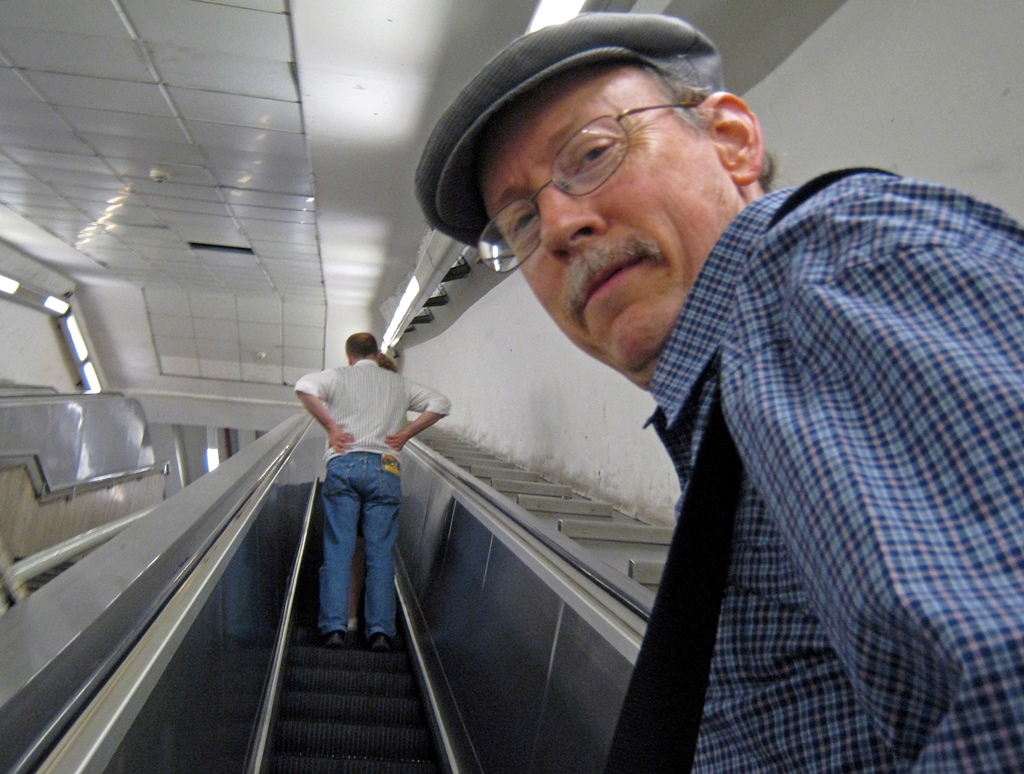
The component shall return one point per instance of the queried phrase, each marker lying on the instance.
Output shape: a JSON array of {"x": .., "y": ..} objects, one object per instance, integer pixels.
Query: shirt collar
[{"x": 702, "y": 323}]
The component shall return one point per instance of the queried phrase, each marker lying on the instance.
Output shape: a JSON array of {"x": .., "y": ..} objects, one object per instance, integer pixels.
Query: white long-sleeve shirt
[{"x": 370, "y": 402}]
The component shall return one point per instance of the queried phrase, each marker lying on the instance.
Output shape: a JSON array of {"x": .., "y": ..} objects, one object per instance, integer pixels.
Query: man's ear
[{"x": 736, "y": 133}]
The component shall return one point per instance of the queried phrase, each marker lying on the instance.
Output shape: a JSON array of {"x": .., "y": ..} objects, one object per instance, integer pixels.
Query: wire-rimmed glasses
[{"x": 586, "y": 161}]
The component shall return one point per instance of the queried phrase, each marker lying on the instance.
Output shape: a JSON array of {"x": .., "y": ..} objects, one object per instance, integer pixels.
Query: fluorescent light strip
[
  {"x": 76, "y": 339},
  {"x": 392, "y": 334},
  {"x": 92, "y": 379},
  {"x": 55, "y": 305},
  {"x": 8, "y": 285}
]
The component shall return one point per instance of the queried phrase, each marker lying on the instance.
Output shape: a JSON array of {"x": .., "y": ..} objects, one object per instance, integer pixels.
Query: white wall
[
  {"x": 926, "y": 88},
  {"x": 931, "y": 88},
  {"x": 32, "y": 349}
]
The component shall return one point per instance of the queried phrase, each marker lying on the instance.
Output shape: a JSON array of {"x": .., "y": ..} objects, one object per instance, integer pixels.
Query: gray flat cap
[{"x": 446, "y": 179}]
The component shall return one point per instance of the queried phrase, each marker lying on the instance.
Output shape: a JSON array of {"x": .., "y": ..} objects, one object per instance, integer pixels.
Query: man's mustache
[{"x": 598, "y": 259}]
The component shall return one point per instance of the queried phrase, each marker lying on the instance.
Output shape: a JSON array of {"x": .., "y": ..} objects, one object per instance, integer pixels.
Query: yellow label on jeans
[{"x": 390, "y": 464}]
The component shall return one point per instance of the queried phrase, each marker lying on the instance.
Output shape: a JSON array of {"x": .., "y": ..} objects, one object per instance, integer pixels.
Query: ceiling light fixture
[{"x": 554, "y": 12}]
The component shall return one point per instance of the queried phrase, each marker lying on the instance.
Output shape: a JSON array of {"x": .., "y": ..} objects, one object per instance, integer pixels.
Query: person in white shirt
[{"x": 363, "y": 409}]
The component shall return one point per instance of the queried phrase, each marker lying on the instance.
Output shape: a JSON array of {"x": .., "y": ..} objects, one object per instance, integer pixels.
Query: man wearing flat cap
[{"x": 839, "y": 373}]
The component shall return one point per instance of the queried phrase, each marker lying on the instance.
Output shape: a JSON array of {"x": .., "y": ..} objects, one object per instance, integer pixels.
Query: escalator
[
  {"x": 351, "y": 712},
  {"x": 346, "y": 711},
  {"x": 188, "y": 643}
]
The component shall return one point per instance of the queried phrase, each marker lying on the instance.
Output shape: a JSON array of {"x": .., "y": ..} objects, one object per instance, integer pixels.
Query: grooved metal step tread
[
  {"x": 647, "y": 573},
  {"x": 479, "y": 459},
  {"x": 576, "y": 506},
  {"x": 355, "y": 741},
  {"x": 307, "y": 764},
  {"x": 327, "y": 680},
  {"x": 510, "y": 487},
  {"x": 352, "y": 710},
  {"x": 585, "y": 529},
  {"x": 496, "y": 471}
]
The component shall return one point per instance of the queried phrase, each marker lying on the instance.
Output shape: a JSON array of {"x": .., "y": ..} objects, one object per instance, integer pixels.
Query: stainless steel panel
[
  {"x": 588, "y": 682},
  {"x": 430, "y": 547},
  {"x": 76, "y": 438},
  {"x": 530, "y": 672},
  {"x": 62, "y": 641},
  {"x": 201, "y": 712},
  {"x": 501, "y": 669}
]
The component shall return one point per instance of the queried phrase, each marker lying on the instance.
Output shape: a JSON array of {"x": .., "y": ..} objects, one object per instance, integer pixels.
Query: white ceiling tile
[
  {"x": 260, "y": 335},
  {"x": 174, "y": 346},
  {"x": 264, "y": 308},
  {"x": 248, "y": 214},
  {"x": 247, "y": 139},
  {"x": 303, "y": 314},
  {"x": 156, "y": 236},
  {"x": 13, "y": 89},
  {"x": 218, "y": 306},
  {"x": 215, "y": 220},
  {"x": 121, "y": 124},
  {"x": 262, "y": 373},
  {"x": 212, "y": 27},
  {"x": 288, "y": 233},
  {"x": 193, "y": 68},
  {"x": 42, "y": 159},
  {"x": 297, "y": 181},
  {"x": 131, "y": 157},
  {"x": 172, "y": 325},
  {"x": 236, "y": 109},
  {"x": 283, "y": 254},
  {"x": 32, "y": 113},
  {"x": 101, "y": 94},
  {"x": 166, "y": 301},
  {"x": 216, "y": 330},
  {"x": 89, "y": 17},
  {"x": 273, "y": 6},
  {"x": 159, "y": 192},
  {"x": 90, "y": 55},
  {"x": 178, "y": 366},
  {"x": 56, "y": 139},
  {"x": 220, "y": 369},
  {"x": 301, "y": 335},
  {"x": 268, "y": 199},
  {"x": 217, "y": 348},
  {"x": 305, "y": 358}
]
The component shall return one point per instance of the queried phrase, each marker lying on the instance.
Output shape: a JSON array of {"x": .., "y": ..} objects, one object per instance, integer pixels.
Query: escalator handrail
[{"x": 196, "y": 516}]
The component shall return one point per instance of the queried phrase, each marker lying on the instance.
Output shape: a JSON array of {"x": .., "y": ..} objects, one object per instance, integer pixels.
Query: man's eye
[
  {"x": 523, "y": 223},
  {"x": 517, "y": 222},
  {"x": 586, "y": 156}
]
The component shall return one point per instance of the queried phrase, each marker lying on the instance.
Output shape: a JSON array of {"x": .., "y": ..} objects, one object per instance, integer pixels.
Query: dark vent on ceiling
[{"x": 205, "y": 247}]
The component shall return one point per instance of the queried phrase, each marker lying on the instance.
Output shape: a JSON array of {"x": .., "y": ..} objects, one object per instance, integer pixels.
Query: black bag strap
[
  {"x": 811, "y": 187},
  {"x": 660, "y": 718}
]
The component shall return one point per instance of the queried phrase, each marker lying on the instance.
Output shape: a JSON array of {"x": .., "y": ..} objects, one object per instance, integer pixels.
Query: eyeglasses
[{"x": 584, "y": 164}]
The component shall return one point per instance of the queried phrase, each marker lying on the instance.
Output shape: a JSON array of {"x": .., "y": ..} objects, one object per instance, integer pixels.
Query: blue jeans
[{"x": 357, "y": 484}]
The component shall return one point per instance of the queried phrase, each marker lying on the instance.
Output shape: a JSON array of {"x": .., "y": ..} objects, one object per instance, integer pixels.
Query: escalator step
[
  {"x": 353, "y": 660},
  {"x": 302, "y": 764},
  {"x": 365, "y": 710},
  {"x": 352, "y": 683},
  {"x": 379, "y": 742}
]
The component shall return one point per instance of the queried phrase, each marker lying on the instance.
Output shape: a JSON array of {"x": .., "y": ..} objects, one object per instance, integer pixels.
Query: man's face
[{"x": 614, "y": 267}]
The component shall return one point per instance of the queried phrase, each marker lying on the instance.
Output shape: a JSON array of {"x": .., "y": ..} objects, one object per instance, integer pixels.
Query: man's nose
[{"x": 566, "y": 220}]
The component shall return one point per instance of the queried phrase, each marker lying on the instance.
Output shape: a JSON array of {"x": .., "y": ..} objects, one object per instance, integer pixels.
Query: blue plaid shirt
[{"x": 872, "y": 376}]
